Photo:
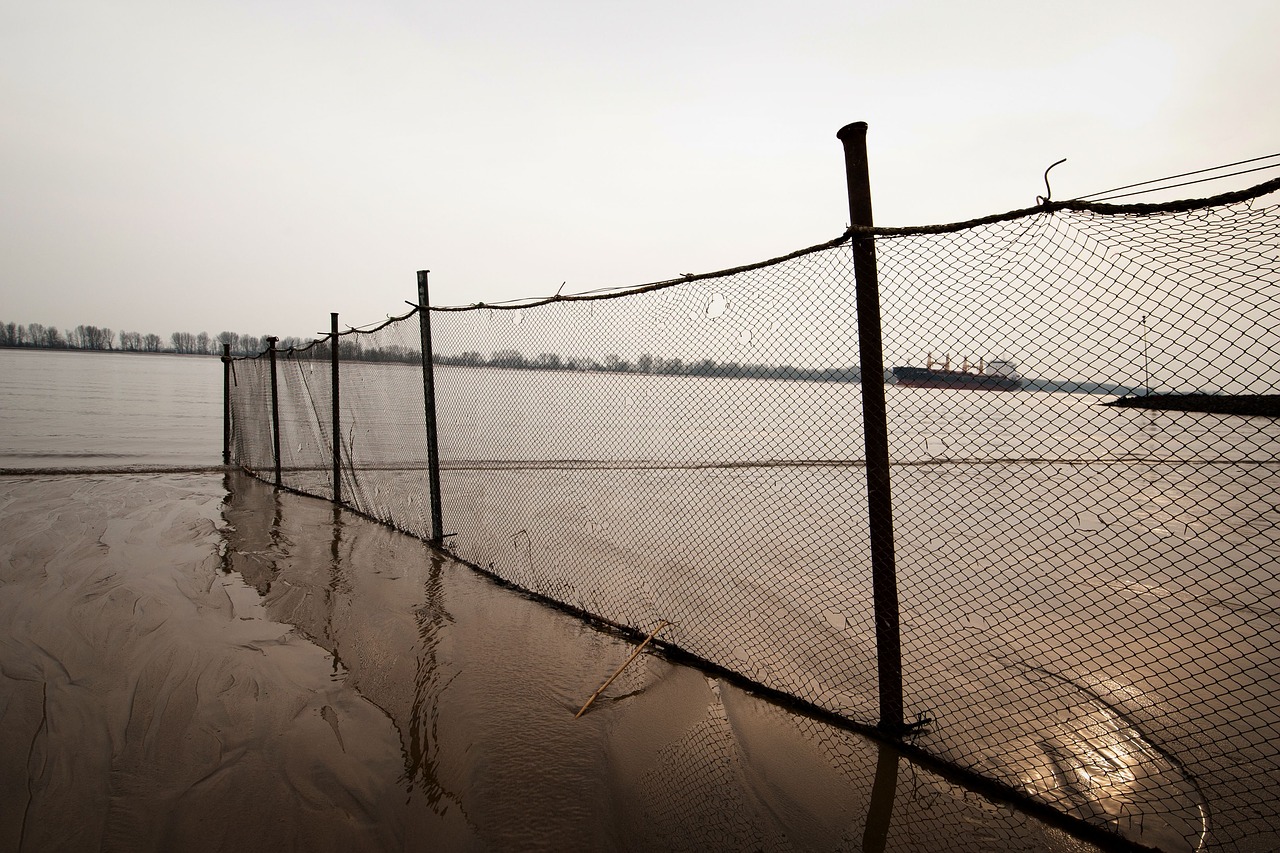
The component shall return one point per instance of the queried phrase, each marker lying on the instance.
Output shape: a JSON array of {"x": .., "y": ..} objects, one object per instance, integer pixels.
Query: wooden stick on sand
[{"x": 664, "y": 623}]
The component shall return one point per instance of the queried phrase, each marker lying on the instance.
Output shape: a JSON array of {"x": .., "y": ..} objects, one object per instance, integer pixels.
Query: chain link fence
[{"x": 1087, "y": 591}]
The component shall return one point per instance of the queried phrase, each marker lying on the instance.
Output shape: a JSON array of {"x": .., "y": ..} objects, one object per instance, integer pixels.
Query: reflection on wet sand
[
  {"x": 481, "y": 685},
  {"x": 189, "y": 663}
]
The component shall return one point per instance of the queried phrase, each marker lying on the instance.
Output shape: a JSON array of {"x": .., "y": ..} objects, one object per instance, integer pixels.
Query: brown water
[{"x": 199, "y": 662}]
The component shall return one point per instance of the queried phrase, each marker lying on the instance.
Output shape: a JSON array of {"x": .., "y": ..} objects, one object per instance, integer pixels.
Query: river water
[
  {"x": 477, "y": 683},
  {"x": 64, "y": 409}
]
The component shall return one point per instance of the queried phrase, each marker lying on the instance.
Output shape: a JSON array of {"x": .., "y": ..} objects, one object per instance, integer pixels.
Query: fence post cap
[{"x": 857, "y": 128}]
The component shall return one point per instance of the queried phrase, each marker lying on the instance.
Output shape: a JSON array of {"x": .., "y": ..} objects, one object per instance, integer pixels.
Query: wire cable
[
  {"x": 1175, "y": 177},
  {"x": 1188, "y": 183}
]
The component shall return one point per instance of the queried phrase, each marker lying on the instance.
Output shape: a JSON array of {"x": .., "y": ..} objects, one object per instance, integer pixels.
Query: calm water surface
[{"x": 115, "y": 410}]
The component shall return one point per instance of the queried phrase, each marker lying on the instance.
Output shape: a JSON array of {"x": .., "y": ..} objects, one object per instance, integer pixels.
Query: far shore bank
[
  {"x": 86, "y": 351},
  {"x": 1253, "y": 405}
]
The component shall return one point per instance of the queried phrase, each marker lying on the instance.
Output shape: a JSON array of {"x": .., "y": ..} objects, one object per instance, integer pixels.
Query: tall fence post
[
  {"x": 429, "y": 402},
  {"x": 275, "y": 408},
  {"x": 226, "y": 404},
  {"x": 334, "y": 398},
  {"x": 884, "y": 581}
]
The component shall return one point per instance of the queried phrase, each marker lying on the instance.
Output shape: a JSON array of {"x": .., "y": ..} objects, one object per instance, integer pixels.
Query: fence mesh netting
[{"x": 1088, "y": 591}]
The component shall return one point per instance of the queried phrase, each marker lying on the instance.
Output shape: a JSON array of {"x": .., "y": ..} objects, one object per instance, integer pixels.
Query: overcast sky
[{"x": 178, "y": 165}]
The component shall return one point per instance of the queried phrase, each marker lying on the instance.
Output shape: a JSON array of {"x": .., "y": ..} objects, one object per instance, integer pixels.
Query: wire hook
[{"x": 1048, "y": 193}]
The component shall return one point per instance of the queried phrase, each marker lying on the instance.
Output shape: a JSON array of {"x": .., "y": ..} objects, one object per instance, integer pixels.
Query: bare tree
[
  {"x": 231, "y": 339},
  {"x": 92, "y": 337}
]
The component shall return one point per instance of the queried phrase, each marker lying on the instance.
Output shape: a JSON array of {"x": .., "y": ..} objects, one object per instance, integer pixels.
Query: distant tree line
[
  {"x": 652, "y": 364},
  {"x": 51, "y": 337},
  {"x": 355, "y": 348},
  {"x": 38, "y": 335}
]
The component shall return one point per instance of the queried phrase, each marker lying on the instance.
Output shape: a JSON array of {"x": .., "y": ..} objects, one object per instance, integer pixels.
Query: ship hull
[{"x": 920, "y": 377}]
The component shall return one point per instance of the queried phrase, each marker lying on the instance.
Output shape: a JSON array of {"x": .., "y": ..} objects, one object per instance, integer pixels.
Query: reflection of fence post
[
  {"x": 875, "y": 833},
  {"x": 226, "y": 404},
  {"x": 875, "y": 428},
  {"x": 337, "y": 426},
  {"x": 429, "y": 401},
  {"x": 275, "y": 408}
]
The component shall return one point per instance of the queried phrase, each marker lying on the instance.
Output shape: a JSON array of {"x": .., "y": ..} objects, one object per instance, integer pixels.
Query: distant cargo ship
[{"x": 999, "y": 375}]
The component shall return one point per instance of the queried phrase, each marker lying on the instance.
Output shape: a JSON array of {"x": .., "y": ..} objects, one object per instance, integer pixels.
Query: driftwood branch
[{"x": 634, "y": 655}]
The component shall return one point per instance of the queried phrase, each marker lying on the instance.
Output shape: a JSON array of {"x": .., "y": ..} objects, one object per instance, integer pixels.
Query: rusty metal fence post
[
  {"x": 275, "y": 408},
  {"x": 429, "y": 403},
  {"x": 875, "y": 429},
  {"x": 334, "y": 398},
  {"x": 226, "y": 404}
]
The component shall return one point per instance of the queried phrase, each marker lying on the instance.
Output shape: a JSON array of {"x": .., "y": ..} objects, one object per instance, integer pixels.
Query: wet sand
[{"x": 198, "y": 662}]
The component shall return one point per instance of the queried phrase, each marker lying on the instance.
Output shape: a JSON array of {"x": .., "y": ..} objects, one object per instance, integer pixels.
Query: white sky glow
[{"x": 200, "y": 166}]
